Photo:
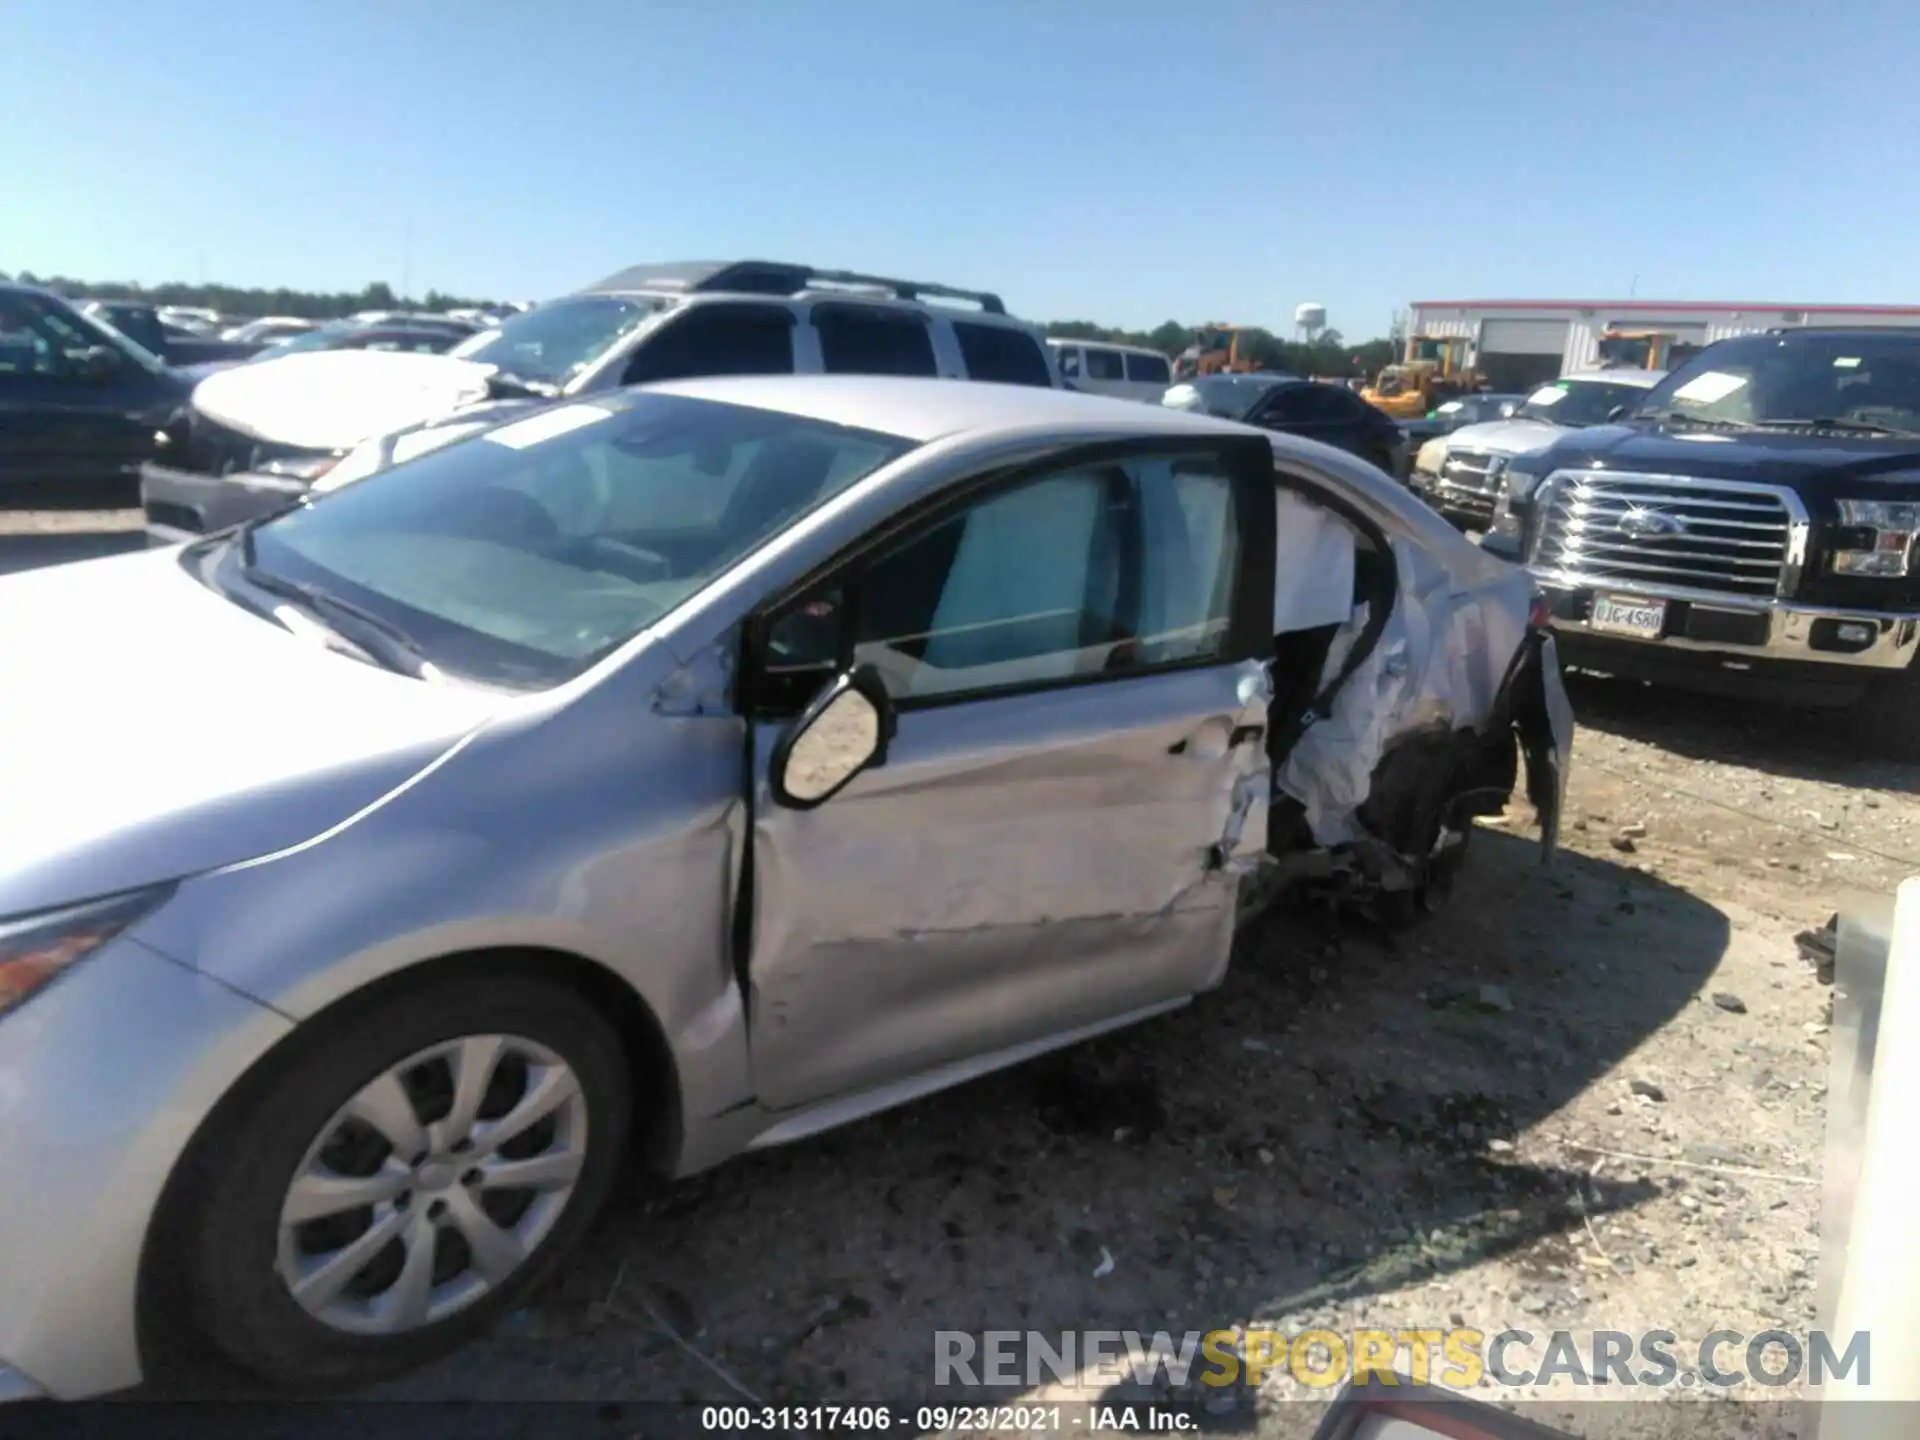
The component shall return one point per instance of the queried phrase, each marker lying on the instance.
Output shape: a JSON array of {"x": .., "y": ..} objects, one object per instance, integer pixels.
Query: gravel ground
[{"x": 1587, "y": 1098}]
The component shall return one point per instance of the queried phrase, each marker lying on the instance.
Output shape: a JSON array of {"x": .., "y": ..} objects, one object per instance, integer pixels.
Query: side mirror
[
  {"x": 100, "y": 362},
  {"x": 845, "y": 729}
]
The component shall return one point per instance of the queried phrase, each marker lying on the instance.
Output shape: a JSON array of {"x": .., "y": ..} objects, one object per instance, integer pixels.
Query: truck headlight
[
  {"x": 1520, "y": 484},
  {"x": 1876, "y": 537},
  {"x": 36, "y": 948}
]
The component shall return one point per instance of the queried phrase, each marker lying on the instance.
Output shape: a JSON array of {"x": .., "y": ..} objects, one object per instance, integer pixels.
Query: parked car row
[
  {"x": 734, "y": 700},
  {"x": 1458, "y": 471}
]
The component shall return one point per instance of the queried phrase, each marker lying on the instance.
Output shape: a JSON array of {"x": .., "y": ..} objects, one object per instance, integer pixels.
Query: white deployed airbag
[
  {"x": 1312, "y": 565},
  {"x": 1424, "y": 669}
]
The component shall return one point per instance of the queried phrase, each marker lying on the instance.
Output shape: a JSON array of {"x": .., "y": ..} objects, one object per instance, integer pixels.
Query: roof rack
[{"x": 771, "y": 277}]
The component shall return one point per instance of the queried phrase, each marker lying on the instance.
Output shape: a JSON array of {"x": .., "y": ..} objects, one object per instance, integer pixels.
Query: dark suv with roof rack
[
  {"x": 1751, "y": 527},
  {"x": 256, "y": 437}
]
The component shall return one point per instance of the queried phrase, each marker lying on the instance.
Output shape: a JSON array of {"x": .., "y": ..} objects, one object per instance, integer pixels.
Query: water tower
[{"x": 1309, "y": 320}]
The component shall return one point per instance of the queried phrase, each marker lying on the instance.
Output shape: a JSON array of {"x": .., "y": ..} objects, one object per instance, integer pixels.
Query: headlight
[
  {"x": 1520, "y": 483},
  {"x": 298, "y": 467},
  {"x": 35, "y": 948},
  {"x": 1876, "y": 537}
]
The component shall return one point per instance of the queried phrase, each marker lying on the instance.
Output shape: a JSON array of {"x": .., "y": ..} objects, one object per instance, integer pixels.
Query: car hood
[
  {"x": 194, "y": 374},
  {"x": 334, "y": 399},
  {"x": 151, "y": 729},
  {"x": 1506, "y": 437},
  {"x": 1772, "y": 457}
]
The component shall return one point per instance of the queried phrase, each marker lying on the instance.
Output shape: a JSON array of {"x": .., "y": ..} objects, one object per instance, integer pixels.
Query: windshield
[
  {"x": 325, "y": 337},
  {"x": 557, "y": 341},
  {"x": 45, "y": 337},
  {"x": 1578, "y": 402},
  {"x": 1859, "y": 380},
  {"x": 525, "y": 554},
  {"x": 1228, "y": 396}
]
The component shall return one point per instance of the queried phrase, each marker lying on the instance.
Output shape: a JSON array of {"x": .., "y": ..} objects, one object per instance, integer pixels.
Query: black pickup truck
[
  {"x": 1749, "y": 529},
  {"x": 142, "y": 324},
  {"x": 79, "y": 404}
]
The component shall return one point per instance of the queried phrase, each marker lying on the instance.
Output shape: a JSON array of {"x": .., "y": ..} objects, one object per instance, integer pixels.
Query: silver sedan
[{"x": 684, "y": 771}]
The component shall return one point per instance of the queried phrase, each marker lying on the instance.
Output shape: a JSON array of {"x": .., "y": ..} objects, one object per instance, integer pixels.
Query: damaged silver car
[{"x": 689, "y": 769}]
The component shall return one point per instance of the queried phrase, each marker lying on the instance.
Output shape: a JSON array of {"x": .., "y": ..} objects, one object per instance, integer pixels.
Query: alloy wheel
[{"x": 432, "y": 1185}]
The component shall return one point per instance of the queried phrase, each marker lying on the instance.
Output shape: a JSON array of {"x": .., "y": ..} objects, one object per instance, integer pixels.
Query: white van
[{"x": 1126, "y": 371}]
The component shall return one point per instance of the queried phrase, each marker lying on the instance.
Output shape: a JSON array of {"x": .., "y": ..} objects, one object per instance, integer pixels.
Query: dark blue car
[
  {"x": 79, "y": 402},
  {"x": 1331, "y": 414}
]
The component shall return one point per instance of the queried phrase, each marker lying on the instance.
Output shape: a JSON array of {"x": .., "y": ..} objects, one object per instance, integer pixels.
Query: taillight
[{"x": 1539, "y": 614}]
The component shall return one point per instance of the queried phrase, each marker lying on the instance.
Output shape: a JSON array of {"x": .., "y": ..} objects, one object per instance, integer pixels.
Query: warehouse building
[{"x": 1520, "y": 343}]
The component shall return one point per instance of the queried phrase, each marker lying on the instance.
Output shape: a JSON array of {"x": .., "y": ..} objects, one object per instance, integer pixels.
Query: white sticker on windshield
[
  {"x": 1547, "y": 395},
  {"x": 1846, "y": 362},
  {"x": 1712, "y": 386},
  {"x": 531, "y": 431}
]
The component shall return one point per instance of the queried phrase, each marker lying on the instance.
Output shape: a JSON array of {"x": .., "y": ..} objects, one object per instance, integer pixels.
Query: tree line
[
  {"x": 1328, "y": 354},
  {"x": 255, "y": 301}
]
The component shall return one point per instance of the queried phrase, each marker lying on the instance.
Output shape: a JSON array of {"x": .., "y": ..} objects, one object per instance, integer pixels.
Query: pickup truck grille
[
  {"x": 1471, "y": 470},
  {"x": 1664, "y": 530}
]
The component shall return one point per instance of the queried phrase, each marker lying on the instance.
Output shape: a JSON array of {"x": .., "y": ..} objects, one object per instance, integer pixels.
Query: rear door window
[
  {"x": 999, "y": 352},
  {"x": 722, "y": 339},
  {"x": 1105, "y": 365},
  {"x": 866, "y": 340},
  {"x": 1149, "y": 370}
]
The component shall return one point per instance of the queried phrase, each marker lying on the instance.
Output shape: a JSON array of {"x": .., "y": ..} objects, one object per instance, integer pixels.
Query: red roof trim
[{"x": 1670, "y": 306}]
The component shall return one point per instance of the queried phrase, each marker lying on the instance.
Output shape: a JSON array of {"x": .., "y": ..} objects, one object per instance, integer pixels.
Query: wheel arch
[{"x": 166, "y": 1352}]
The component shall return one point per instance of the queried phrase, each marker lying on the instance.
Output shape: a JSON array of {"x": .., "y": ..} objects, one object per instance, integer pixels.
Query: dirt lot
[{"x": 1589, "y": 1097}]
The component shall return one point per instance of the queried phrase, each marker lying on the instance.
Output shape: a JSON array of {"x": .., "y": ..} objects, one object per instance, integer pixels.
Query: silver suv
[{"x": 251, "y": 443}]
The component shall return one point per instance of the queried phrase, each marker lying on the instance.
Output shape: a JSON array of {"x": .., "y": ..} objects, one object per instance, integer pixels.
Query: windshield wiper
[
  {"x": 1830, "y": 422},
  {"x": 1680, "y": 417},
  {"x": 392, "y": 646}
]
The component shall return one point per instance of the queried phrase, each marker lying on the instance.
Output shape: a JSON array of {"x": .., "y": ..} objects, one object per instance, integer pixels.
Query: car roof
[
  {"x": 1106, "y": 345},
  {"x": 923, "y": 410},
  {"x": 778, "y": 279},
  {"x": 1248, "y": 377},
  {"x": 1642, "y": 379},
  {"x": 1831, "y": 332}
]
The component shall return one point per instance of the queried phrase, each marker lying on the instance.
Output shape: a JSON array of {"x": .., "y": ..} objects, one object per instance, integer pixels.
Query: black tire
[
  {"x": 230, "y": 1196},
  {"x": 1887, "y": 719},
  {"x": 1440, "y": 869}
]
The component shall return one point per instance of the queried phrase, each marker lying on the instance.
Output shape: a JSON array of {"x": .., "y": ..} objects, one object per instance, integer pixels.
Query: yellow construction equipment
[
  {"x": 1216, "y": 348},
  {"x": 1642, "y": 349},
  {"x": 1434, "y": 371}
]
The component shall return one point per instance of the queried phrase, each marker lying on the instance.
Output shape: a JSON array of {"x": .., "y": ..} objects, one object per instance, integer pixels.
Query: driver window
[
  {"x": 1101, "y": 570},
  {"x": 33, "y": 342}
]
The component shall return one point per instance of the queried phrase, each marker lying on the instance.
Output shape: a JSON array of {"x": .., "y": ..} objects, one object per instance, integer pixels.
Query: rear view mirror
[
  {"x": 1618, "y": 412},
  {"x": 843, "y": 731}
]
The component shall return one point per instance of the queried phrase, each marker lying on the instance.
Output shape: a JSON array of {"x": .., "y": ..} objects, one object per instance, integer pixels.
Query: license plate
[{"x": 1629, "y": 615}]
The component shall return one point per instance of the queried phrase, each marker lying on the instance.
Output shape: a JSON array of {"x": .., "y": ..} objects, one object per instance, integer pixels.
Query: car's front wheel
[{"x": 405, "y": 1173}]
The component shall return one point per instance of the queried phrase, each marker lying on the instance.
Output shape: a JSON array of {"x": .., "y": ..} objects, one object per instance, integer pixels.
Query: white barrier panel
[{"x": 1877, "y": 1290}]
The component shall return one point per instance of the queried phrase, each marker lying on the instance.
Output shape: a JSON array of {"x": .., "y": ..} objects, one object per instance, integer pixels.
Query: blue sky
[{"x": 1119, "y": 160}]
